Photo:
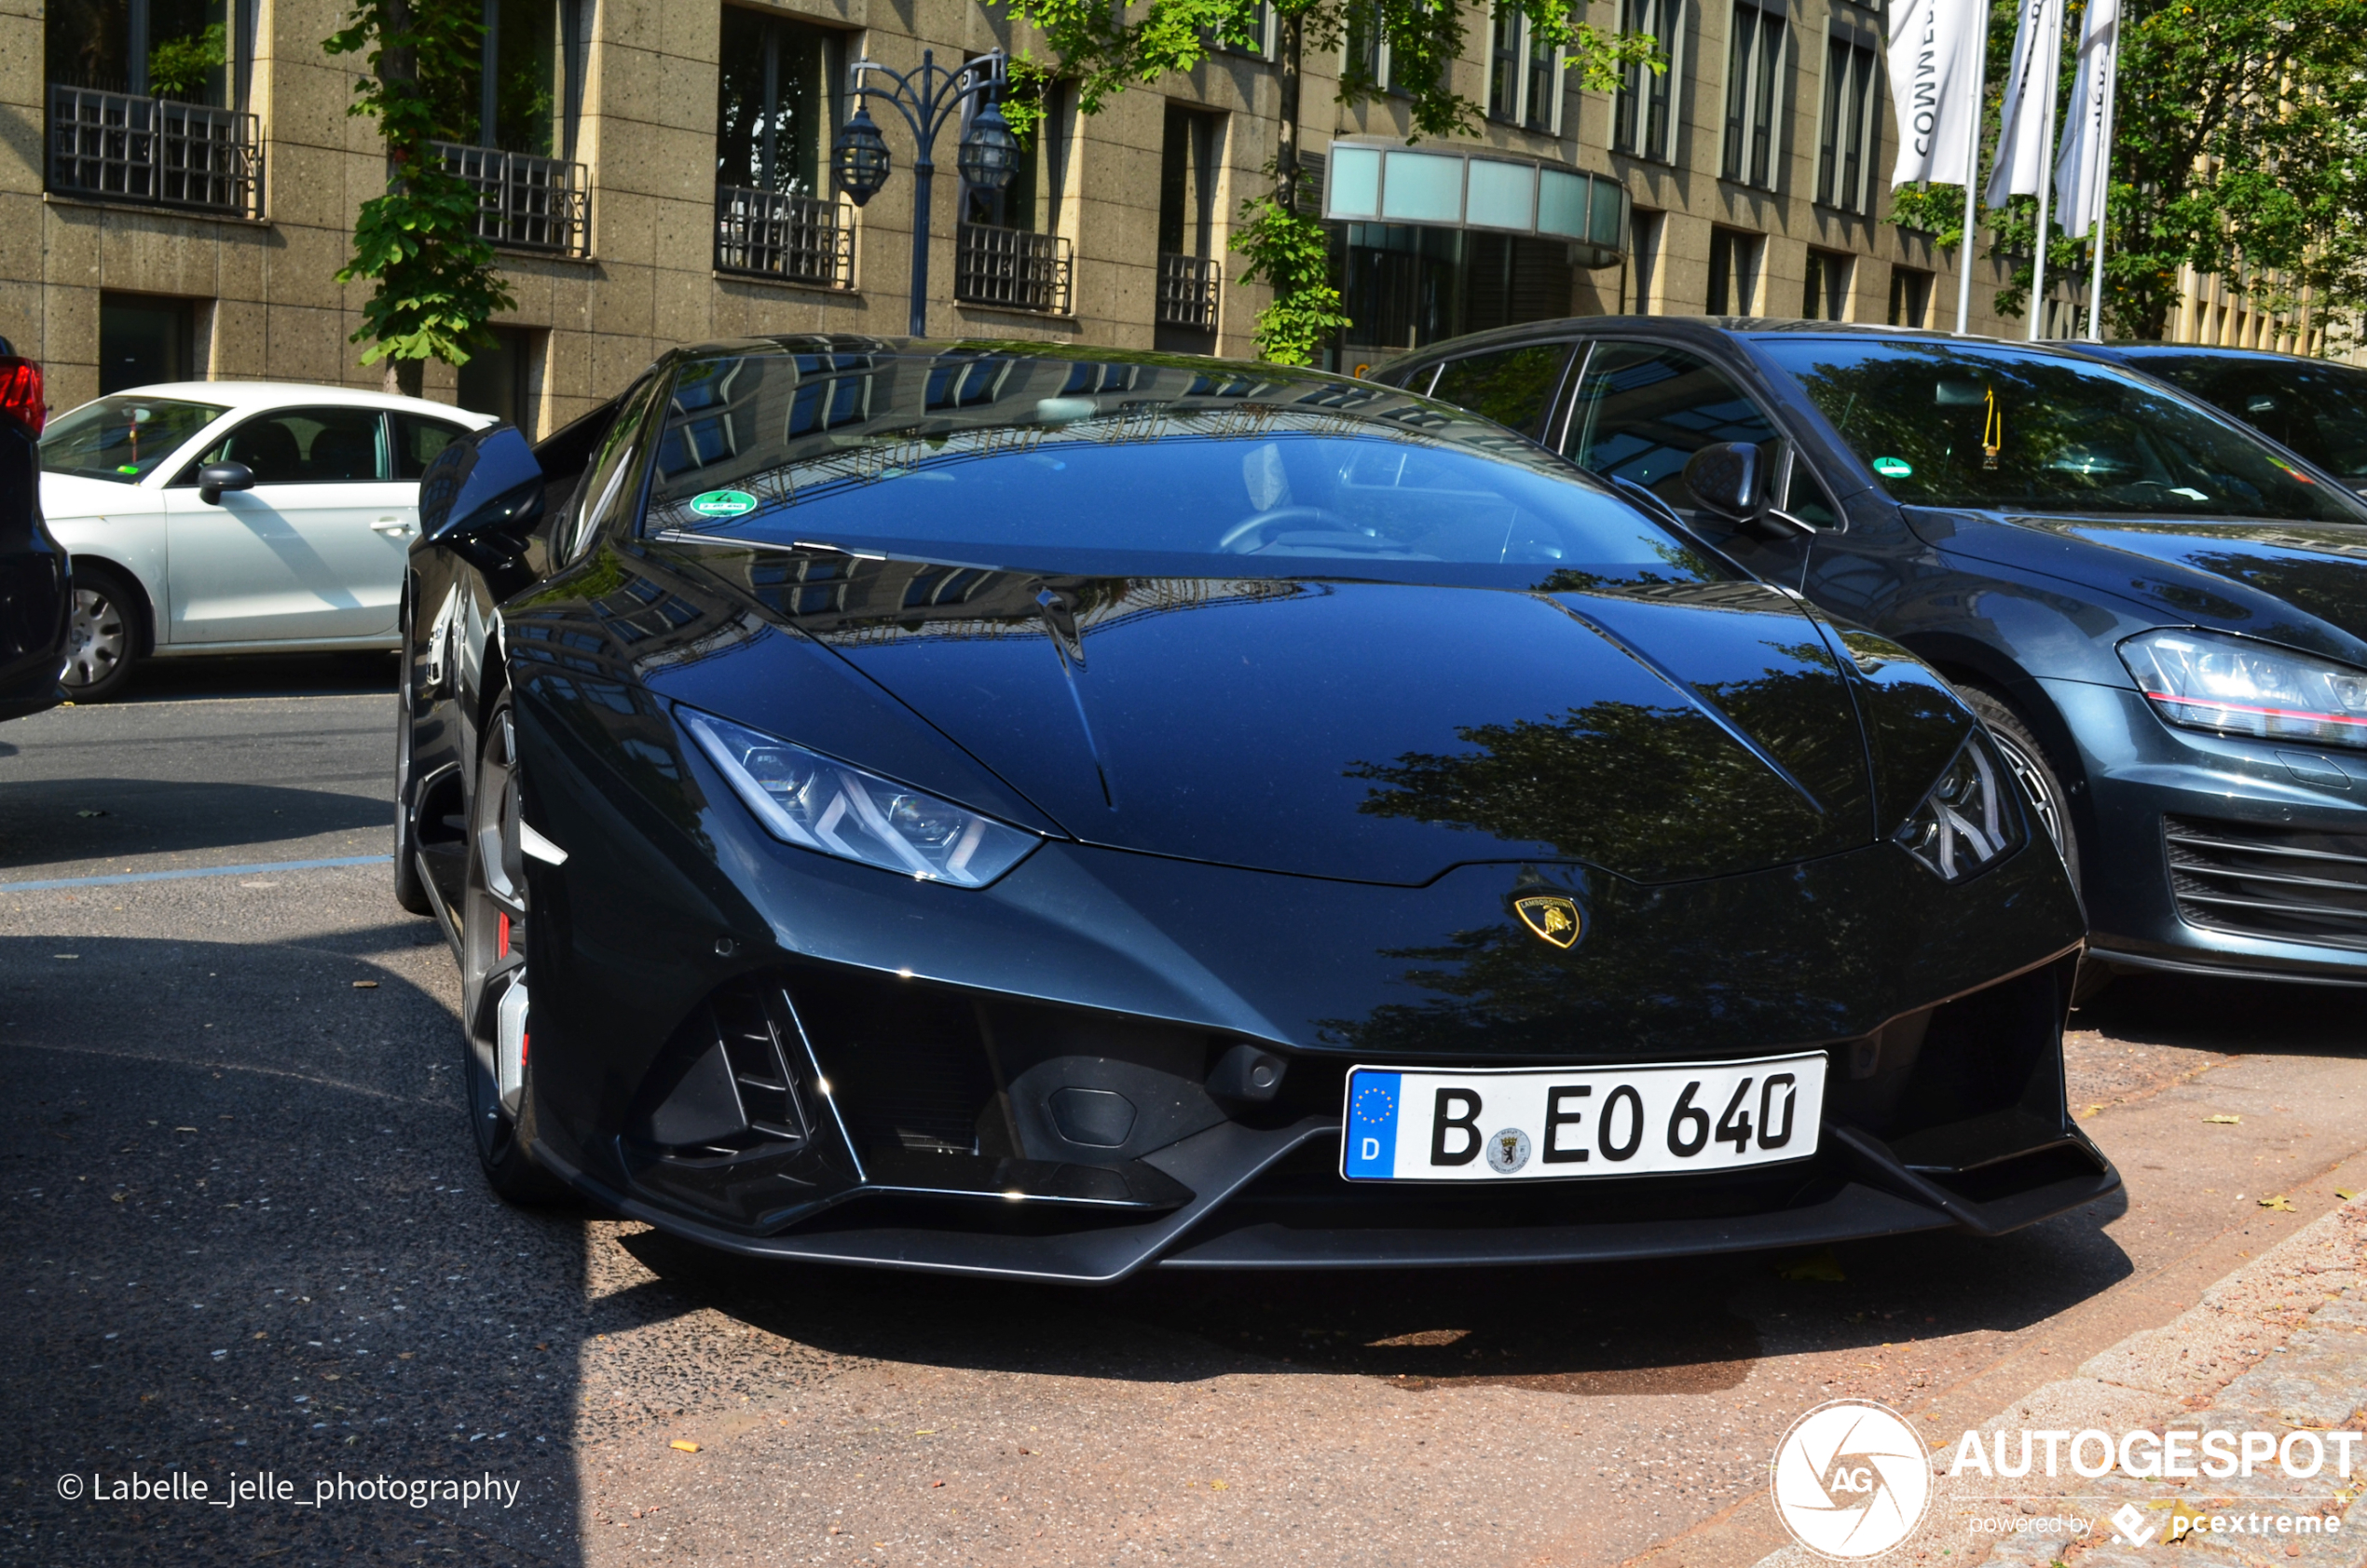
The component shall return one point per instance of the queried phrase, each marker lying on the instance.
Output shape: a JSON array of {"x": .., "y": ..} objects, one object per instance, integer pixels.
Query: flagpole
[
  {"x": 2101, "y": 205},
  {"x": 1972, "y": 179},
  {"x": 2038, "y": 269}
]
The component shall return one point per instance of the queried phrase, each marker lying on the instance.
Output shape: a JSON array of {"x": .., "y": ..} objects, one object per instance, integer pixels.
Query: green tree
[
  {"x": 2236, "y": 151},
  {"x": 1106, "y": 48},
  {"x": 437, "y": 284}
]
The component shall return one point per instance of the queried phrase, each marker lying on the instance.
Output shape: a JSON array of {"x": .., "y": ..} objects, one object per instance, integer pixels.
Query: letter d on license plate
[{"x": 1526, "y": 1122}]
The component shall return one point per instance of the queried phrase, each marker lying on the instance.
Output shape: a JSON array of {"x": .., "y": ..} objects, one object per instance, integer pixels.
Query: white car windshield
[{"x": 122, "y": 438}]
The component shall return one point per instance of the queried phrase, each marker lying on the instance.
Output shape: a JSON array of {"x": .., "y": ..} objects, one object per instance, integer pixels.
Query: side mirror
[
  {"x": 482, "y": 496},
  {"x": 214, "y": 478},
  {"x": 1728, "y": 479}
]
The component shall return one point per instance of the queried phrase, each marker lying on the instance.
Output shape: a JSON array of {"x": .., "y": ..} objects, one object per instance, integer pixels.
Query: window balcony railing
[
  {"x": 1187, "y": 289},
  {"x": 121, "y": 147},
  {"x": 1011, "y": 268},
  {"x": 525, "y": 202},
  {"x": 773, "y": 234}
]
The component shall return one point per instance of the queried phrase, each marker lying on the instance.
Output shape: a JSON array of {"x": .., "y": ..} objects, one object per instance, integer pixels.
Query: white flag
[
  {"x": 2080, "y": 172},
  {"x": 2026, "y": 125},
  {"x": 1935, "y": 74}
]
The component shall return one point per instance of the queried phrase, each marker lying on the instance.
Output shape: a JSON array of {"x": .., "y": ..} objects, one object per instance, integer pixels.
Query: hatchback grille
[{"x": 2290, "y": 884}]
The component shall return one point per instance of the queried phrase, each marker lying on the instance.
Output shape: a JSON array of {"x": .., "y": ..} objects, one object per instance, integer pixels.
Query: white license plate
[{"x": 1526, "y": 1122}]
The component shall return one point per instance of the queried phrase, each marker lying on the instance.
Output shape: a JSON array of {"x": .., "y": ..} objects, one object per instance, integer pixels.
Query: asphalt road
[{"x": 246, "y": 1237}]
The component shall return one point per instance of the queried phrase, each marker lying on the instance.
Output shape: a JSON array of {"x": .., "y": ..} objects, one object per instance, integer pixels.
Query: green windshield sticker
[
  {"x": 1889, "y": 468},
  {"x": 723, "y": 503}
]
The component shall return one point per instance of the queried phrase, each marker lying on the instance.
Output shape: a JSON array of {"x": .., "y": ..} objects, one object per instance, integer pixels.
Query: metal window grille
[
  {"x": 126, "y": 149},
  {"x": 522, "y": 202},
  {"x": 776, "y": 235},
  {"x": 1187, "y": 292},
  {"x": 1012, "y": 268}
]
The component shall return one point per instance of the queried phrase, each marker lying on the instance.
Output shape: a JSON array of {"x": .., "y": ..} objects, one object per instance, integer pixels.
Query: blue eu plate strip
[{"x": 1372, "y": 1126}]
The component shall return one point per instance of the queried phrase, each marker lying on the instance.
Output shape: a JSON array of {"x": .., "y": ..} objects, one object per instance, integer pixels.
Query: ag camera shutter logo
[{"x": 1852, "y": 1480}]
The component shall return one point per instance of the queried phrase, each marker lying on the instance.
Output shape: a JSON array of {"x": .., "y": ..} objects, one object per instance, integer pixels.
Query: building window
[
  {"x": 1911, "y": 296},
  {"x": 1734, "y": 271},
  {"x": 502, "y": 380},
  {"x": 1825, "y": 290},
  {"x": 779, "y": 100},
  {"x": 1189, "y": 274},
  {"x": 1844, "y": 145},
  {"x": 1523, "y": 74},
  {"x": 1645, "y": 229},
  {"x": 1644, "y": 116},
  {"x": 1754, "y": 95},
  {"x": 778, "y": 103},
  {"x": 146, "y": 340},
  {"x": 1365, "y": 65},
  {"x": 1260, "y": 32},
  {"x": 144, "y": 99}
]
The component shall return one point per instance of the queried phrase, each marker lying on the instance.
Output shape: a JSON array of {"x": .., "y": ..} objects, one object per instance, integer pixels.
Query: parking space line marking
[{"x": 196, "y": 871}]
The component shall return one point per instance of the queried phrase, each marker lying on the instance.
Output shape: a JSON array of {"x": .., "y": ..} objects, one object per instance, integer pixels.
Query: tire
[
  {"x": 2042, "y": 786},
  {"x": 493, "y": 960},
  {"x": 103, "y": 644}
]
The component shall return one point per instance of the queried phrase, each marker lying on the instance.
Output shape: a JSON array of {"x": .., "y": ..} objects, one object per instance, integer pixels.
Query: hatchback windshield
[
  {"x": 122, "y": 438},
  {"x": 1147, "y": 467},
  {"x": 1961, "y": 426},
  {"x": 2317, "y": 409}
]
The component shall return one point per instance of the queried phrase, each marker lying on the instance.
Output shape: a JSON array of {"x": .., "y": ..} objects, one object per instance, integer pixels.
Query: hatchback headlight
[
  {"x": 819, "y": 804},
  {"x": 1970, "y": 819},
  {"x": 2234, "y": 686}
]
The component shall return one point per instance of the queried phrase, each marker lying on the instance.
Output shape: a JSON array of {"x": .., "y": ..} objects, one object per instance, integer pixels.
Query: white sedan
[{"x": 235, "y": 517}]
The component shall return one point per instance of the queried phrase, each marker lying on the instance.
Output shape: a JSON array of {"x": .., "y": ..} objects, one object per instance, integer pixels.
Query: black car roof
[{"x": 1704, "y": 329}]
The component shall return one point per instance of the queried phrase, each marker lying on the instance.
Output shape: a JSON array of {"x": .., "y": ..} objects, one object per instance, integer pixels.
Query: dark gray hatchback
[{"x": 2162, "y": 617}]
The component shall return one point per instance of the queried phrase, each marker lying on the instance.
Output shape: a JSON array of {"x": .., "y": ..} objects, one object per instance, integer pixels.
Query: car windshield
[
  {"x": 1145, "y": 465},
  {"x": 2317, "y": 409},
  {"x": 122, "y": 438},
  {"x": 1957, "y": 425}
]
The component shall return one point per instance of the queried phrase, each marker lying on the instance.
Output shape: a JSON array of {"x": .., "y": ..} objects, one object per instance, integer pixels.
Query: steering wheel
[{"x": 1281, "y": 518}]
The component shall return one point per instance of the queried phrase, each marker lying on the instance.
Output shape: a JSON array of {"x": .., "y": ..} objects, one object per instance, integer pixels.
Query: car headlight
[
  {"x": 819, "y": 804},
  {"x": 1969, "y": 820},
  {"x": 2234, "y": 686}
]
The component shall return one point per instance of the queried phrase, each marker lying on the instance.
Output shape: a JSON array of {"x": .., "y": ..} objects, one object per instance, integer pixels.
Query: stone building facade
[{"x": 179, "y": 181}]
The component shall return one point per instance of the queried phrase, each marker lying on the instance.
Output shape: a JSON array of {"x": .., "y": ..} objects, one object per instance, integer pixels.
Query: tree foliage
[
  {"x": 437, "y": 284},
  {"x": 1106, "y": 48},
  {"x": 2237, "y": 151}
]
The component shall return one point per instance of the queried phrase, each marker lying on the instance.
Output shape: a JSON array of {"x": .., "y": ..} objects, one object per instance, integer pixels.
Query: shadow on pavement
[
  {"x": 2197, "y": 1012},
  {"x": 261, "y": 674},
  {"x": 247, "y": 1236},
  {"x": 47, "y": 820}
]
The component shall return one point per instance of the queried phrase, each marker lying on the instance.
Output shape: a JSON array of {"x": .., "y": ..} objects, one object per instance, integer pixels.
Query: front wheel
[
  {"x": 493, "y": 982},
  {"x": 103, "y": 642},
  {"x": 2026, "y": 759}
]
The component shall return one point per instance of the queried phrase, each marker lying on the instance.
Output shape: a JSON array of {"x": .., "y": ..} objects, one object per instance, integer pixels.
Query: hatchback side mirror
[
  {"x": 214, "y": 478},
  {"x": 482, "y": 496},
  {"x": 1728, "y": 479}
]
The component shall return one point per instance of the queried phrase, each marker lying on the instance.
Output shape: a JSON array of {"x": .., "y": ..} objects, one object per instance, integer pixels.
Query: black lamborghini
[{"x": 1030, "y": 811}]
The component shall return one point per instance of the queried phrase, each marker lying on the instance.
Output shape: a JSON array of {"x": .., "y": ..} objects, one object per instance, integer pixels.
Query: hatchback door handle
[{"x": 392, "y": 525}]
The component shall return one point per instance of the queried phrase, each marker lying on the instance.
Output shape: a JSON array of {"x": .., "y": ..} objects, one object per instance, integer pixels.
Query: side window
[
  {"x": 1511, "y": 386},
  {"x": 1804, "y": 497},
  {"x": 416, "y": 442},
  {"x": 303, "y": 447},
  {"x": 1643, "y": 410},
  {"x": 612, "y": 482}
]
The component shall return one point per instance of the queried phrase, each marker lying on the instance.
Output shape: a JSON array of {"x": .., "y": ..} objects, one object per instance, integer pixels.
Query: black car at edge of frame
[
  {"x": 2161, "y": 616},
  {"x": 1043, "y": 812},
  {"x": 35, "y": 614},
  {"x": 2315, "y": 408}
]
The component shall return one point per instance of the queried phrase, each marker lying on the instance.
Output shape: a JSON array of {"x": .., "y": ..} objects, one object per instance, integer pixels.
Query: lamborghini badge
[{"x": 1552, "y": 917}]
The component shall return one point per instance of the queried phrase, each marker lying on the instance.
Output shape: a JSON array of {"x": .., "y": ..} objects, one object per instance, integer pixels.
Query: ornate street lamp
[{"x": 988, "y": 156}]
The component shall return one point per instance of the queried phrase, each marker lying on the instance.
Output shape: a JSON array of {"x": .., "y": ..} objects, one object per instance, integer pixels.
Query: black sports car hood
[
  {"x": 2300, "y": 583},
  {"x": 1367, "y": 732}
]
